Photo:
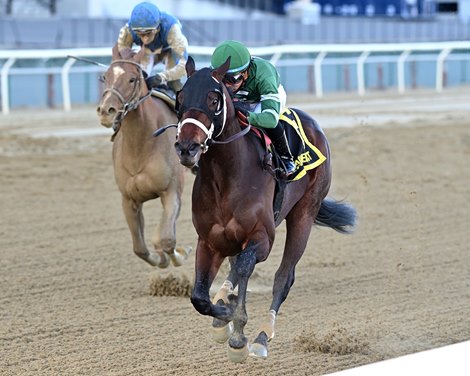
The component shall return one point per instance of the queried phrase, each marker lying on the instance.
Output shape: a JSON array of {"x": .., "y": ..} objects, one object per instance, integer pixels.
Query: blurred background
[{"x": 30, "y": 77}]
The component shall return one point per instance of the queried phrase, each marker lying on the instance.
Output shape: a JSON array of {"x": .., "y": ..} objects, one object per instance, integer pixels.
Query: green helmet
[{"x": 239, "y": 54}]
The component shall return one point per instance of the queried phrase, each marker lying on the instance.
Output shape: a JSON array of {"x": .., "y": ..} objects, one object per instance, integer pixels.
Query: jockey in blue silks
[{"x": 160, "y": 34}]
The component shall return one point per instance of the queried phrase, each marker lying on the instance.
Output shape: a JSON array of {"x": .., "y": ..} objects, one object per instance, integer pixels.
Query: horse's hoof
[
  {"x": 222, "y": 333},
  {"x": 257, "y": 350},
  {"x": 164, "y": 260},
  {"x": 238, "y": 355},
  {"x": 179, "y": 255}
]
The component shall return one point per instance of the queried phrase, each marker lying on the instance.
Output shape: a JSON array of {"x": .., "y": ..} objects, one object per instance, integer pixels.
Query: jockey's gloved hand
[
  {"x": 242, "y": 118},
  {"x": 242, "y": 112},
  {"x": 154, "y": 81}
]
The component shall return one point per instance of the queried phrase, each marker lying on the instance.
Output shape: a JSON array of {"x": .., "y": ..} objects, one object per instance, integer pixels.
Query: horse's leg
[
  {"x": 222, "y": 330},
  {"x": 243, "y": 268},
  {"x": 207, "y": 265},
  {"x": 165, "y": 234},
  {"x": 135, "y": 221},
  {"x": 299, "y": 223}
]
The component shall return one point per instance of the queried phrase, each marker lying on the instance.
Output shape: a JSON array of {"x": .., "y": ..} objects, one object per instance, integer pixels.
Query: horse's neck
[
  {"x": 136, "y": 128},
  {"x": 232, "y": 158}
]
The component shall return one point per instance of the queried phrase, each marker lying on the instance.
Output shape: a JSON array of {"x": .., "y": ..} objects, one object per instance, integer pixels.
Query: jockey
[
  {"x": 258, "y": 93},
  {"x": 160, "y": 34}
]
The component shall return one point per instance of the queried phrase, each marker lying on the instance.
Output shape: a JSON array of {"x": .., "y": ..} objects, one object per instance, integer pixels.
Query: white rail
[{"x": 321, "y": 55}]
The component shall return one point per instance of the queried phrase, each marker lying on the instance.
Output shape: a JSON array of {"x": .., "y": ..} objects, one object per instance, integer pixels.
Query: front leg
[
  {"x": 135, "y": 221},
  {"x": 207, "y": 265}
]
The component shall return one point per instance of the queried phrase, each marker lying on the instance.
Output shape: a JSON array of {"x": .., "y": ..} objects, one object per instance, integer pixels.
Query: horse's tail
[{"x": 339, "y": 216}]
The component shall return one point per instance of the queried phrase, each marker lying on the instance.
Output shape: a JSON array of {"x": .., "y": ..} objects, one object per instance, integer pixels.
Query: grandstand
[{"x": 256, "y": 23}]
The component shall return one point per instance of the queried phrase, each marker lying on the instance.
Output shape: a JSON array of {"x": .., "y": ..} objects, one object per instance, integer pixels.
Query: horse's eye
[{"x": 132, "y": 80}]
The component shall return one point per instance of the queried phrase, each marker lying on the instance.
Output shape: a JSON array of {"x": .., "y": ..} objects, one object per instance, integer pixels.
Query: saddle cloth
[{"x": 306, "y": 155}]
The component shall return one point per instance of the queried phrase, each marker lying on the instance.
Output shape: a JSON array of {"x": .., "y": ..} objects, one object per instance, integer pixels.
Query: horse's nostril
[{"x": 111, "y": 111}]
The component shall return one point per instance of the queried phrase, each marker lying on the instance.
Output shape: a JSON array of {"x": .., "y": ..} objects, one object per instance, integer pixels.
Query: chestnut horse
[
  {"x": 145, "y": 168},
  {"x": 232, "y": 206}
]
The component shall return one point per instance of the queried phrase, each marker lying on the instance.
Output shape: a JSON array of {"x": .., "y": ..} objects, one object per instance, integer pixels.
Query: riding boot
[{"x": 282, "y": 147}]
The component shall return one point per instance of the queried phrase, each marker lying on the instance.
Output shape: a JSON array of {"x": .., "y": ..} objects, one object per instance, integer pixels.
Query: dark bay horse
[
  {"x": 232, "y": 206},
  {"x": 145, "y": 168}
]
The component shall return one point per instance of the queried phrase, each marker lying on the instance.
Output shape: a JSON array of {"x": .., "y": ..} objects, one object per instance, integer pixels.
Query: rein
[
  {"x": 132, "y": 103},
  {"x": 233, "y": 137}
]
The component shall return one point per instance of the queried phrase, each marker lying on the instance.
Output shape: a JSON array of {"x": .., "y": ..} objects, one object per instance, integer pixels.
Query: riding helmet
[
  {"x": 239, "y": 56},
  {"x": 144, "y": 16}
]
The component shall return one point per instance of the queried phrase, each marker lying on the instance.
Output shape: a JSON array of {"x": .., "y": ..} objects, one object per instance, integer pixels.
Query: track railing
[{"x": 12, "y": 62}]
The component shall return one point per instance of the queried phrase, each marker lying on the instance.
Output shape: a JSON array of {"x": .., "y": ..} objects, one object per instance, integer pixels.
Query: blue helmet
[{"x": 144, "y": 16}]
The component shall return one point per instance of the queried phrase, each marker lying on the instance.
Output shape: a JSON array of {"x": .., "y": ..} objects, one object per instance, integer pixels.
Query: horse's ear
[
  {"x": 116, "y": 54},
  {"x": 190, "y": 66},
  {"x": 138, "y": 57},
  {"x": 179, "y": 98},
  {"x": 219, "y": 73}
]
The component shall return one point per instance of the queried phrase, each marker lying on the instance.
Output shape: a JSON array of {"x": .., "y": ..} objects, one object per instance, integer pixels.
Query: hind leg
[
  {"x": 135, "y": 221},
  {"x": 243, "y": 268},
  {"x": 165, "y": 234},
  {"x": 299, "y": 223}
]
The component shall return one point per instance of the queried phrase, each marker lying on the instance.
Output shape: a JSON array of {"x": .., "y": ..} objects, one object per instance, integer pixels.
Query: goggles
[
  {"x": 233, "y": 79},
  {"x": 145, "y": 32}
]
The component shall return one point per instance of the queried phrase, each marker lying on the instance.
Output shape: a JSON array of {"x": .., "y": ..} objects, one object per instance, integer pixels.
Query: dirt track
[{"x": 74, "y": 300}]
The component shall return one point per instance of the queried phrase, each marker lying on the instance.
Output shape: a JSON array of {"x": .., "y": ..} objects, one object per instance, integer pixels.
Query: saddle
[
  {"x": 166, "y": 95},
  {"x": 306, "y": 155}
]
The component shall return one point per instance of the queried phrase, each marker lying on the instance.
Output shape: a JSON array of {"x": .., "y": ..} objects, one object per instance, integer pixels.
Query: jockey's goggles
[
  {"x": 233, "y": 79},
  {"x": 145, "y": 32}
]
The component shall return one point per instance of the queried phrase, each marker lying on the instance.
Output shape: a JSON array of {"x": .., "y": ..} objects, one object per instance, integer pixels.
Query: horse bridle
[
  {"x": 130, "y": 104},
  {"x": 209, "y": 132}
]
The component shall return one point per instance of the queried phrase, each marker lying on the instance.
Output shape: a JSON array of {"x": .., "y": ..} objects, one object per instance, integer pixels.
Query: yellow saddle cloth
[{"x": 306, "y": 155}]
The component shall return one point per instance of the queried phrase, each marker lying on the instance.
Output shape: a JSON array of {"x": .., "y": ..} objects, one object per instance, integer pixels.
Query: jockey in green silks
[{"x": 258, "y": 93}]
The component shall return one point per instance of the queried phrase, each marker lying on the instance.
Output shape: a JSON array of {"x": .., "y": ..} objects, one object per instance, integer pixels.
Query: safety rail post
[
  {"x": 66, "y": 83},
  {"x": 401, "y": 70},
  {"x": 5, "y": 85},
  {"x": 361, "y": 85},
  {"x": 275, "y": 58},
  {"x": 440, "y": 68},
  {"x": 317, "y": 71}
]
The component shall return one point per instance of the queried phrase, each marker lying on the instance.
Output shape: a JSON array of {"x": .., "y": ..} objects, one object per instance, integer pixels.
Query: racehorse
[
  {"x": 232, "y": 206},
  {"x": 145, "y": 168}
]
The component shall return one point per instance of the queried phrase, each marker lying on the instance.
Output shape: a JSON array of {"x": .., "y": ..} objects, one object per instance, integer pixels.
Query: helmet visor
[{"x": 233, "y": 79}]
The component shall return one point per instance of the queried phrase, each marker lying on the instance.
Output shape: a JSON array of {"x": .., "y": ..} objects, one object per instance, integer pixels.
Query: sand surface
[{"x": 75, "y": 300}]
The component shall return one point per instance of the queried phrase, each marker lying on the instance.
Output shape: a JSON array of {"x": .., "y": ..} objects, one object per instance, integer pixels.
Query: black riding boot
[{"x": 279, "y": 140}]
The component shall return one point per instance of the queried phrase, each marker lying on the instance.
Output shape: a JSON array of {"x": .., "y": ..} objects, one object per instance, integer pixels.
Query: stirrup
[{"x": 290, "y": 166}]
